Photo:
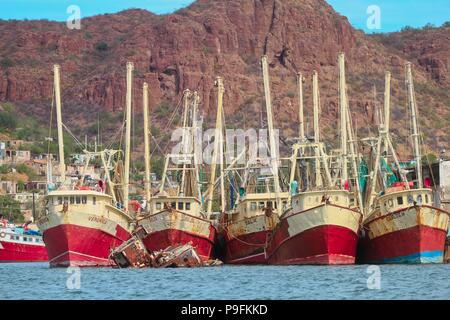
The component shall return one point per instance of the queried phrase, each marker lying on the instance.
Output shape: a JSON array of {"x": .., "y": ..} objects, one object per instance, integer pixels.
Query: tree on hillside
[{"x": 10, "y": 209}]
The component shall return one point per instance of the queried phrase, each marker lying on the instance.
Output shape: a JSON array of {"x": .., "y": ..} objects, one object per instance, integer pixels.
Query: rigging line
[
  {"x": 169, "y": 123},
  {"x": 120, "y": 132},
  {"x": 73, "y": 136},
  {"x": 157, "y": 145}
]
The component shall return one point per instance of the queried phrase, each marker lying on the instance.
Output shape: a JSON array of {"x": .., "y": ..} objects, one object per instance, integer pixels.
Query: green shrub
[
  {"x": 407, "y": 28},
  {"x": 10, "y": 209},
  {"x": 101, "y": 46},
  {"x": 4, "y": 169},
  {"x": 6, "y": 63},
  {"x": 7, "y": 121},
  {"x": 24, "y": 169}
]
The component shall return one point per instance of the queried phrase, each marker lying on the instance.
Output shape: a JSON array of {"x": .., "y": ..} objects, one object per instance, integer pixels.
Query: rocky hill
[{"x": 189, "y": 48}]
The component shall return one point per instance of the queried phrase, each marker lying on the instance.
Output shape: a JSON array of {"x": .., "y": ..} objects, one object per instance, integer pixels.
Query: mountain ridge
[{"x": 189, "y": 48}]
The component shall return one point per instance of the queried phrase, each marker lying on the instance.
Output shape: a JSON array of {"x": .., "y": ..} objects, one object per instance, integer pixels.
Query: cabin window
[
  {"x": 94, "y": 200},
  {"x": 72, "y": 200},
  {"x": 25, "y": 239},
  {"x": 419, "y": 199},
  {"x": 180, "y": 206},
  {"x": 78, "y": 200},
  {"x": 188, "y": 206},
  {"x": 284, "y": 203},
  {"x": 426, "y": 198},
  {"x": 400, "y": 200},
  {"x": 410, "y": 199},
  {"x": 158, "y": 206},
  {"x": 66, "y": 199},
  {"x": 59, "y": 200},
  {"x": 253, "y": 206},
  {"x": 276, "y": 206},
  {"x": 173, "y": 205},
  {"x": 261, "y": 205},
  {"x": 84, "y": 199}
]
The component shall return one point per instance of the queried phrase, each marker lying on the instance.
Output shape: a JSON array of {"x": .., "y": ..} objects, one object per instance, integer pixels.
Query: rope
[{"x": 73, "y": 136}]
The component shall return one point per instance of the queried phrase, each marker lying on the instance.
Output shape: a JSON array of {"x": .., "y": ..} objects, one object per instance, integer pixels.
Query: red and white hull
[
  {"x": 324, "y": 235},
  {"x": 81, "y": 246},
  {"x": 83, "y": 235},
  {"x": 12, "y": 250},
  {"x": 409, "y": 235},
  {"x": 168, "y": 228},
  {"x": 246, "y": 239}
]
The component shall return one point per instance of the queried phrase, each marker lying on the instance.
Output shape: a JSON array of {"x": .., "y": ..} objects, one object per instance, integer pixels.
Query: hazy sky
[{"x": 394, "y": 14}]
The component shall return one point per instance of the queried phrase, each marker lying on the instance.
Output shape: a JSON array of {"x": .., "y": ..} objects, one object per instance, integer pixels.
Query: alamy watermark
[
  {"x": 74, "y": 20},
  {"x": 239, "y": 146},
  {"x": 73, "y": 282},
  {"x": 374, "y": 279},
  {"x": 374, "y": 19}
]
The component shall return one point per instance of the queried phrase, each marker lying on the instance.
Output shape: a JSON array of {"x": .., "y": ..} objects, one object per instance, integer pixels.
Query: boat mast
[
  {"x": 300, "y": 107},
  {"x": 349, "y": 134},
  {"x": 184, "y": 146},
  {"x": 387, "y": 105},
  {"x": 316, "y": 127},
  {"x": 147, "y": 179},
  {"x": 273, "y": 155},
  {"x": 218, "y": 142},
  {"x": 384, "y": 139},
  {"x": 413, "y": 107},
  {"x": 62, "y": 165},
  {"x": 192, "y": 144},
  {"x": 343, "y": 111},
  {"x": 126, "y": 180}
]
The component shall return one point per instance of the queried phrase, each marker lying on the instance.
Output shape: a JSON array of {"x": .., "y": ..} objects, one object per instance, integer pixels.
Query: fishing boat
[
  {"x": 249, "y": 225},
  {"x": 321, "y": 225},
  {"x": 175, "y": 215},
  {"x": 403, "y": 225},
  {"x": 260, "y": 201},
  {"x": 20, "y": 244},
  {"x": 86, "y": 218}
]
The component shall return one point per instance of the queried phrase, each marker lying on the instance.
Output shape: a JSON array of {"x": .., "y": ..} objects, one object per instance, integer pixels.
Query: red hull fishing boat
[
  {"x": 323, "y": 223},
  {"x": 247, "y": 230},
  {"x": 19, "y": 245},
  {"x": 85, "y": 219},
  {"x": 403, "y": 225},
  {"x": 173, "y": 227},
  {"x": 322, "y": 234},
  {"x": 175, "y": 215},
  {"x": 249, "y": 224},
  {"x": 81, "y": 228}
]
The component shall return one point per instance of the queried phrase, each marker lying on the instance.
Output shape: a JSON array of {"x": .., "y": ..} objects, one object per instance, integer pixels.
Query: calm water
[{"x": 37, "y": 281}]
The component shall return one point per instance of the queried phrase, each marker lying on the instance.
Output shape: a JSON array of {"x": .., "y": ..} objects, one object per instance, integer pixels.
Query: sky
[{"x": 368, "y": 15}]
